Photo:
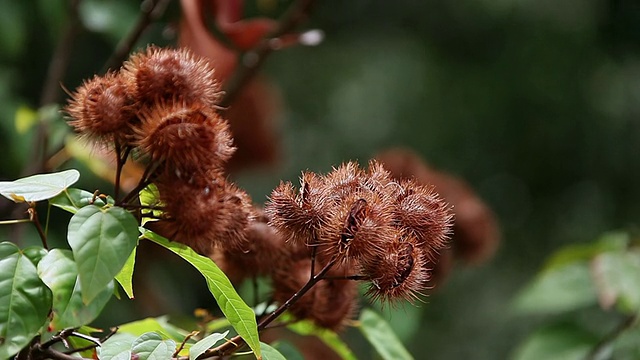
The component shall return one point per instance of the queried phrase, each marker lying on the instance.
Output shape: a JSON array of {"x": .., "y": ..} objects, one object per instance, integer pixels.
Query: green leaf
[
  {"x": 24, "y": 300},
  {"x": 557, "y": 342},
  {"x": 205, "y": 344},
  {"x": 379, "y": 334},
  {"x": 617, "y": 280},
  {"x": 102, "y": 241},
  {"x": 286, "y": 349},
  {"x": 117, "y": 347},
  {"x": 270, "y": 353},
  {"x": 150, "y": 196},
  {"x": 60, "y": 273},
  {"x": 151, "y": 346},
  {"x": 328, "y": 337},
  {"x": 25, "y": 119},
  {"x": 72, "y": 200},
  {"x": 158, "y": 325},
  {"x": 125, "y": 276},
  {"x": 34, "y": 253},
  {"x": 233, "y": 307},
  {"x": 38, "y": 187},
  {"x": 559, "y": 289}
]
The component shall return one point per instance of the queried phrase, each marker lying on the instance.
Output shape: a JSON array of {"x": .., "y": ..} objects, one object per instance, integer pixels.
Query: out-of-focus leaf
[
  {"x": 614, "y": 241},
  {"x": 288, "y": 350},
  {"x": 60, "y": 273},
  {"x": 125, "y": 276},
  {"x": 24, "y": 300},
  {"x": 151, "y": 346},
  {"x": 328, "y": 337},
  {"x": 617, "y": 280},
  {"x": 38, "y": 187},
  {"x": 379, "y": 334},
  {"x": 559, "y": 289},
  {"x": 25, "y": 119},
  {"x": 101, "y": 240},
  {"x": 72, "y": 200},
  {"x": 270, "y": 353},
  {"x": 203, "y": 345},
  {"x": 558, "y": 342},
  {"x": 233, "y": 307}
]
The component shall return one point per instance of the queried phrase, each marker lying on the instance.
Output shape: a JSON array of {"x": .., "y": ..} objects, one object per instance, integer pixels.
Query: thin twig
[
  {"x": 252, "y": 60},
  {"x": 627, "y": 324},
  {"x": 150, "y": 11},
  {"x": 33, "y": 217}
]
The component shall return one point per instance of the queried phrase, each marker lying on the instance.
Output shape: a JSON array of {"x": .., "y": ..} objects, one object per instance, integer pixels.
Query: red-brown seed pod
[
  {"x": 218, "y": 214},
  {"x": 423, "y": 214},
  {"x": 343, "y": 181},
  {"x": 299, "y": 216},
  {"x": 358, "y": 229},
  {"x": 163, "y": 74},
  {"x": 190, "y": 139},
  {"x": 400, "y": 273},
  {"x": 102, "y": 110},
  {"x": 264, "y": 248}
]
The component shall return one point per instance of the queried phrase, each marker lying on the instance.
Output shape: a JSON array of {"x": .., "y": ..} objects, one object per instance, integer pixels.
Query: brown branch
[
  {"x": 33, "y": 217},
  {"x": 252, "y": 60},
  {"x": 150, "y": 11}
]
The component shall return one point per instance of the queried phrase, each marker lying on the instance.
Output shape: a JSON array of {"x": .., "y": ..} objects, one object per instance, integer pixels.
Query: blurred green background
[{"x": 535, "y": 103}]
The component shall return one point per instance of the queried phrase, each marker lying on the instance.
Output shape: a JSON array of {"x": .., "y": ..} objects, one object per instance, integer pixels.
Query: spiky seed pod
[
  {"x": 202, "y": 218},
  {"x": 400, "y": 273},
  {"x": 190, "y": 139},
  {"x": 164, "y": 74},
  {"x": 377, "y": 179},
  {"x": 102, "y": 110},
  {"x": 343, "y": 181},
  {"x": 422, "y": 213},
  {"x": 264, "y": 248},
  {"x": 359, "y": 229},
  {"x": 299, "y": 216}
]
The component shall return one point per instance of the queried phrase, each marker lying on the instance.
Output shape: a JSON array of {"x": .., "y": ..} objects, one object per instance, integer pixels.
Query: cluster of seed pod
[
  {"x": 161, "y": 107},
  {"x": 355, "y": 224},
  {"x": 371, "y": 226}
]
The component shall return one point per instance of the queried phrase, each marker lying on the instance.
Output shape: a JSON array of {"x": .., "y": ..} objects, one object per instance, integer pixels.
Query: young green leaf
[
  {"x": 234, "y": 308},
  {"x": 381, "y": 336},
  {"x": 24, "y": 300},
  {"x": 270, "y": 353},
  {"x": 328, "y": 337},
  {"x": 203, "y": 345},
  {"x": 60, "y": 273},
  {"x": 151, "y": 346},
  {"x": 34, "y": 253},
  {"x": 38, "y": 187},
  {"x": 125, "y": 276},
  {"x": 72, "y": 200},
  {"x": 101, "y": 240}
]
